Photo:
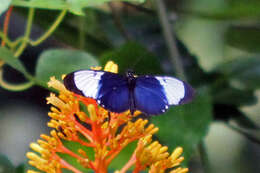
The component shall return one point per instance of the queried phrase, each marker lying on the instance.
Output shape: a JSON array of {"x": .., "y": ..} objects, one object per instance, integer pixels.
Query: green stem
[
  {"x": 204, "y": 157},
  {"x": 26, "y": 38},
  {"x": 5, "y": 38},
  {"x": 170, "y": 39},
  {"x": 14, "y": 87},
  {"x": 10, "y": 43},
  {"x": 50, "y": 30},
  {"x": 13, "y": 44}
]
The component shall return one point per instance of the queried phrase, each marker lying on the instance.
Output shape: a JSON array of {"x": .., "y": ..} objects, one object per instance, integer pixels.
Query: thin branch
[
  {"x": 6, "y": 24},
  {"x": 20, "y": 50},
  {"x": 244, "y": 133},
  {"x": 140, "y": 8},
  {"x": 117, "y": 21},
  {"x": 170, "y": 39},
  {"x": 50, "y": 30}
]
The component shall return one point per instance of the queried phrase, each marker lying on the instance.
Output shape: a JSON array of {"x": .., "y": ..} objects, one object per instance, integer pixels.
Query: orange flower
[{"x": 80, "y": 120}]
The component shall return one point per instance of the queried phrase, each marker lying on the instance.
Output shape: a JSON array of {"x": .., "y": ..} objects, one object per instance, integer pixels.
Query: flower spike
[{"x": 79, "y": 120}]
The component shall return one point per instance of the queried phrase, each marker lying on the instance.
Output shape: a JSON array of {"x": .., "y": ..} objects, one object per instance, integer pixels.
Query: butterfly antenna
[{"x": 135, "y": 63}]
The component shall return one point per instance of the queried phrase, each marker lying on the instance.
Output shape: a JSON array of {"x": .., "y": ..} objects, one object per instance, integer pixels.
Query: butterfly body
[{"x": 117, "y": 93}]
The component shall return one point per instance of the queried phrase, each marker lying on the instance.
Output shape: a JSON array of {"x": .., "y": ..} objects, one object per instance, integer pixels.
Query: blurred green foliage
[
  {"x": 186, "y": 125},
  {"x": 57, "y": 62},
  {"x": 75, "y": 6},
  {"x": 137, "y": 55},
  {"x": 217, "y": 39},
  {"x": 4, "y": 5}
]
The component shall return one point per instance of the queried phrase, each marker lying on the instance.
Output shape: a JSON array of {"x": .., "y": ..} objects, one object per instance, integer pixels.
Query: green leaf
[
  {"x": 45, "y": 4},
  {"x": 244, "y": 72},
  {"x": 244, "y": 37},
  {"x": 204, "y": 39},
  {"x": 4, "y": 6},
  {"x": 20, "y": 168},
  {"x": 139, "y": 27},
  {"x": 90, "y": 26},
  {"x": 134, "y": 56},
  {"x": 57, "y": 62},
  {"x": 74, "y": 6},
  {"x": 223, "y": 9},
  {"x": 8, "y": 58},
  {"x": 233, "y": 96},
  {"x": 123, "y": 157},
  {"x": 6, "y": 165},
  {"x": 186, "y": 125}
]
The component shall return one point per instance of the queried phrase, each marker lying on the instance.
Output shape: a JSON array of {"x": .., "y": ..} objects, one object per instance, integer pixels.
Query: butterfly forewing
[
  {"x": 110, "y": 90},
  {"x": 84, "y": 82},
  {"x": 154, "y": 94},
  {"x": 176, "y": 91},
  {"x": 113, "y": 93}
]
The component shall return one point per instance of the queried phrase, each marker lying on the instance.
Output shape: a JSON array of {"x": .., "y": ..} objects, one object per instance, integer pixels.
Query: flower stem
[
  {"x": 83, "y": 131},
  {"x": 170, "y": 39},
  {"x": 101, "y": 166},
  {"x": 68, "y": 166},
  {"x": 26, "y": 38},
  {"x": 128, "y": 165},
  {"x": 65, "y": 150},
  {"x": 50, "y": 30}
]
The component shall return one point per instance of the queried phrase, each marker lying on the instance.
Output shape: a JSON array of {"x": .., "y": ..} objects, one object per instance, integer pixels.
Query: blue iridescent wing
[
  {"x": 113, "y": 94},
  {"x": 149, "y": 95},
  {"x": 154, "y": 94},
  {"x": 109, "y": 89}
]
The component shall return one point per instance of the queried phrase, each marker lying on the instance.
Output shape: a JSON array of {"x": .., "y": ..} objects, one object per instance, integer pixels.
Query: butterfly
[{"x": 149, "y": 94}]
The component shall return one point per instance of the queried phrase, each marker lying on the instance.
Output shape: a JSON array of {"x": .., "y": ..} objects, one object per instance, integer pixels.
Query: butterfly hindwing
[
  {"x": 110, "y": 90},
  {"x": 149, "y": 96}
]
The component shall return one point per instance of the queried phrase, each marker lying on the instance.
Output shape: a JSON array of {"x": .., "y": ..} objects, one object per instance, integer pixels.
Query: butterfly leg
[{"x": 109, "y": 117}]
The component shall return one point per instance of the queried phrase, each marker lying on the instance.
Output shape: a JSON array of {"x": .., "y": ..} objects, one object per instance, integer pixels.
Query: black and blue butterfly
[{"x": 149, "y": 94}]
